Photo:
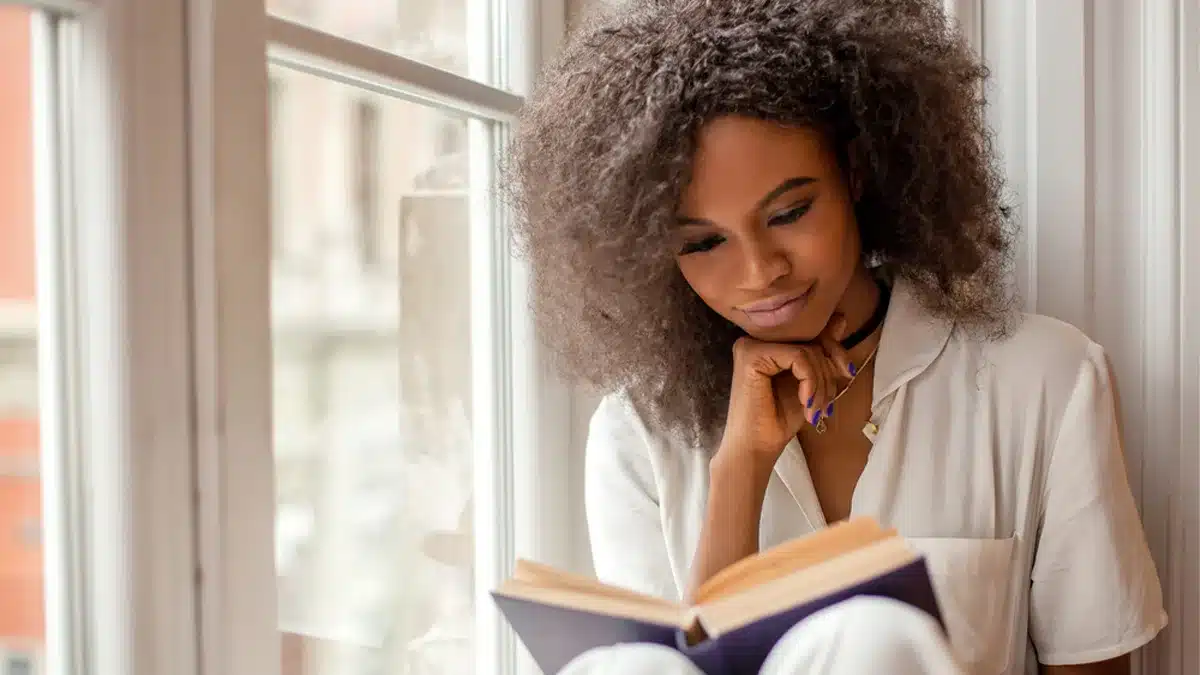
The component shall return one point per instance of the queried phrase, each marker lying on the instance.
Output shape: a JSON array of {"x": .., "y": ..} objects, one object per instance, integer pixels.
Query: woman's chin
[{"x": 795, "y": 331}]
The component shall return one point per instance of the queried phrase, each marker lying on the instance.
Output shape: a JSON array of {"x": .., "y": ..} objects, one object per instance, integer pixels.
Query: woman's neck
[{"x": 858, "y": 304}]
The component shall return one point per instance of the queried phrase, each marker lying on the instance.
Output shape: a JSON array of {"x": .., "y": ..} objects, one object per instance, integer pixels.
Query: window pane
[
  {"x": 372, "y": 382},
  {"x": 22, "y": 624},
  {"x": 435, "y": 32}
]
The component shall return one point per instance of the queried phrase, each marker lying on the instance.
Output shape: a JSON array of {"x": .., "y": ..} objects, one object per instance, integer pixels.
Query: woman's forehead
[{"x": 750, "y": 157}]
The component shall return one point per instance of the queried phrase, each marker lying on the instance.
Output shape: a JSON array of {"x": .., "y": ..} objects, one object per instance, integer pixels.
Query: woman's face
[{"x": 767, "y": 235}]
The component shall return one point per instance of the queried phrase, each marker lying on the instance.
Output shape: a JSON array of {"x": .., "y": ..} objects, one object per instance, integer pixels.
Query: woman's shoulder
[
  {"x": 625, "y": 448},
  {"x": 618, "y": 426},
  {"x": 1044, "y": 340},
  {"x": 623, "y": 424},
  {"x": 622, "y": 411},
  {"x": 1040, "y": 356},
  {"x": 616, "y": 410}
]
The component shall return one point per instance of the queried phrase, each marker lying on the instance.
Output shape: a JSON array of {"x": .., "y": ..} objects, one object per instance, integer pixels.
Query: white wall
[
  {"x": 1091, "y": 104},
  {"x": 1096, "y": 106}
]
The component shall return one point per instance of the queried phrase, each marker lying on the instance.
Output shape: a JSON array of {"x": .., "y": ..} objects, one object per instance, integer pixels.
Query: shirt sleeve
[
  {"x": 623, "y": 517},
  {"x": 1095, "y": 594}
]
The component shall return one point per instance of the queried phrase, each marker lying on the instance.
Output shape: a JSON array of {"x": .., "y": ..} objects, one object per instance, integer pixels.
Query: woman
[{"x": 772, "y": 232}]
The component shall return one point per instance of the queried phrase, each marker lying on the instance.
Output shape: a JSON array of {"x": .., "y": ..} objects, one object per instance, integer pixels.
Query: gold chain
[{"x": 820, "y": 426}]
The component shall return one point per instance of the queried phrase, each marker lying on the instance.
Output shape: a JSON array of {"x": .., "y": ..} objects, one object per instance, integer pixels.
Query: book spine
[{"x": 707, "y": 655}]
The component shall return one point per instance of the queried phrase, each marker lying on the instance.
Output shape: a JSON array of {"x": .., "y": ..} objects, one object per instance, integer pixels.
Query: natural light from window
[
  {"x": 434, "y": 32},
  {"x": 372, "y": 350}
]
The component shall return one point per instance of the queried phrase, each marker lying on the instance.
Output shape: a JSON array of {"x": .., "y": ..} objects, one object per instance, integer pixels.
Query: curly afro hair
[{"x": 605, "y": 146}]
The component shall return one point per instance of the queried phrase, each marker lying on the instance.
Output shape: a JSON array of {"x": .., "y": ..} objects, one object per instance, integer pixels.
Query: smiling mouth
[{"x": 776, "y": 312}]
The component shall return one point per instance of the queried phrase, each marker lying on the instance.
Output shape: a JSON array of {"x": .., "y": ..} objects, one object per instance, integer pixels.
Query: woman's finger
[
  {"x": 793, "y": 359},
  {"x": 829, "y": 384},
  {"x": 807, "y": 392},
  {"x": 810, "y": 383},
  {"x": 817, "y": 376},
  {"x": 764, "y": 358},
  {"x": 790, "y": 401},
  {"x": 807, "y": 369},
  {"x": 770, "y": 359},
  {"x": 839, "y": 357},
  {"x": 830, "y": 341}
]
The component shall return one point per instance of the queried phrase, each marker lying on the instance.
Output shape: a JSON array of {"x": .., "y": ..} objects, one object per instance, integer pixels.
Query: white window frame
[
  {"x": 521, "y": 462},
  {"x": 154, "y": 332},
  {"x": 115, "y": 391}
]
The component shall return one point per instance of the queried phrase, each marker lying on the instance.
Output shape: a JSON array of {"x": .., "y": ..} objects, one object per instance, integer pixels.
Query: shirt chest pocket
[{"x": 974, "y": 582}]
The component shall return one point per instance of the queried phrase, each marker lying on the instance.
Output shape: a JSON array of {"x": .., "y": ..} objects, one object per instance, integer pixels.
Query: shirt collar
[{"x": 912, "y": 338}]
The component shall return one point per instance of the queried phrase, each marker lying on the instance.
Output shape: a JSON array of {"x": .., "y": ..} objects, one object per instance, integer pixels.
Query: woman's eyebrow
[
  {"x": 782, "y": 188},
  {"x": 789, "y": 184}
]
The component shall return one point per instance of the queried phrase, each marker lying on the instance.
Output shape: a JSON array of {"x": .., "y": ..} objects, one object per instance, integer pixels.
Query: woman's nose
[{"x": 764, "y": 263}]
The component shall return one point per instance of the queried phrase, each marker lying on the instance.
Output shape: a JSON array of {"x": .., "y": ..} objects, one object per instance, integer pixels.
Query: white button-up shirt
[{"x": 1000, "y": 460}]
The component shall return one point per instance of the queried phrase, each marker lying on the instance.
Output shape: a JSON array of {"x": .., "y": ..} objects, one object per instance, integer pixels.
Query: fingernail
[
  {"x": 810, "y": 401},
  {"x": 816, "y": 418},
  {"x": 853, "y": 370},
  {"x": 829, "y": 410}
]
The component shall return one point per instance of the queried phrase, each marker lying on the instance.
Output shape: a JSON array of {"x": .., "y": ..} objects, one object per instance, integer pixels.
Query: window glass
[
  {"x": 371, "y": 296},
  {"x": 434, "y": 32}
]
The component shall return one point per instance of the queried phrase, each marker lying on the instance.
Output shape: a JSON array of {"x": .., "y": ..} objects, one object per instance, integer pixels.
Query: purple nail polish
[
  {"x": 810, "y": 401},
  {"x": 853, "y": 370},
  {"x": 829, "y": 410},
  {"x": 816, "y": 417}
]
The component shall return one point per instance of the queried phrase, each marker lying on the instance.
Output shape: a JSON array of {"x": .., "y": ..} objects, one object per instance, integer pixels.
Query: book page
[
  {"x": 636, "y": 608},
  {"x": 537, "y": 574},
  {"x": 790, "y": 557},
  {"x": 731, "y": 612}
]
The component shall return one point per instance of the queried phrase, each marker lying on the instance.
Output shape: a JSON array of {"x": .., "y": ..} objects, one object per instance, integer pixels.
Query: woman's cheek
[
  {"x": 709, "y": 281},
  {"x": 823, "y": 250}
]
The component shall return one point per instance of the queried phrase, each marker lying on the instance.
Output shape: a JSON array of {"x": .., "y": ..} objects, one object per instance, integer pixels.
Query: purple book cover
[{"x": 555, "y": 635}]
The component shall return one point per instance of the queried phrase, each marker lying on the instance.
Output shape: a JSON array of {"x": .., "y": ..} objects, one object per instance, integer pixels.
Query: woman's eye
[
  {"x": 791, "y": 215},
  {"x": 701, "y": 245}
]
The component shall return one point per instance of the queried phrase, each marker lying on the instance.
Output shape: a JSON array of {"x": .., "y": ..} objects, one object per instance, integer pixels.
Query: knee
[
  {"x": 631, "y": 659},
  {"x": 886, "y": 619},
  {"x": 878, "y": 634}
]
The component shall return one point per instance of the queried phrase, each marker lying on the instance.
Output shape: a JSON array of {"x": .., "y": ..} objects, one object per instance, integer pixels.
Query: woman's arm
[
  {"x": 1117, "y": 666},
  {"x": 629, "y": 548},
  {"x": 776, "y": 389},
  {"x": 1121, "y": 664},
  {"x": 1095, "y": 594},
  {"x": 731, "y": 520}
]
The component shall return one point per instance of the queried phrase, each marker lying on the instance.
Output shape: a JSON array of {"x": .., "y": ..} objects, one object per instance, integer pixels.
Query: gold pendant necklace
[{"x": 820, "y": 425}]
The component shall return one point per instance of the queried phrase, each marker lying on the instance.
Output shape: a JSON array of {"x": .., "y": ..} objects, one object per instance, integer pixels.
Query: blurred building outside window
[{"x": 372, "y": 358}]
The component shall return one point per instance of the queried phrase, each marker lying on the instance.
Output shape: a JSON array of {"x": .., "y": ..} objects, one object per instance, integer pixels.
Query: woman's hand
[{"x": 777, "y": 388}]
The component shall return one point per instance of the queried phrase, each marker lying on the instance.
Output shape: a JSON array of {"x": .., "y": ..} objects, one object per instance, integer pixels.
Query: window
[
  {"x": 262, "y": 346},
  {"x": 398, "y": 357},
  {"x": 435, "y": 33},
  {"x": 22, "y": 619},
  {"x": 373, "y": 397}
]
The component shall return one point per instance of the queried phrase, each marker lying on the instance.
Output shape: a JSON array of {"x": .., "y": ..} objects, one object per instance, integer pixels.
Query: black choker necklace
[{"x": 873, "y": 323}]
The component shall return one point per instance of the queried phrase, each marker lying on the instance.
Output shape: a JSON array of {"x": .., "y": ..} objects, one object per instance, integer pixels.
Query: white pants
[{"x": 860, "y": 636}]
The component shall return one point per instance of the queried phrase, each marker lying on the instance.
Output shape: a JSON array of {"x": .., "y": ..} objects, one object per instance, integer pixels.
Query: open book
[{"x": 737, "y": 616}]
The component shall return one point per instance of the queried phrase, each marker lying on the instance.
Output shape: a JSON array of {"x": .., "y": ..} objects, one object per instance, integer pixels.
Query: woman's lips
[{"x": 775, "y": 312}]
